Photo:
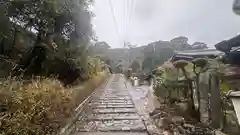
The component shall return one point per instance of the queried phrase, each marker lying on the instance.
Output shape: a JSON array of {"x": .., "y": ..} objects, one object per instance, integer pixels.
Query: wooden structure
[
  {"x": 231, "y": 48},
  {"x": 235, "y": 97}
]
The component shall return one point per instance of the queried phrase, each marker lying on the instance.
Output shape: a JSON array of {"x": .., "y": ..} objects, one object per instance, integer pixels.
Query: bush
[
  {"x": 65, "y": 70},
  {"x": 67, "y": 64},
  {"x": 38, "y": 107}
]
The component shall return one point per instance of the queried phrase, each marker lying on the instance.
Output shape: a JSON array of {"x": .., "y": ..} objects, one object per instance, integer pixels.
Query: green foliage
[
  {"x": 200, "y": 62},
  {"x": 170, "y": 73},
  {"x": 180, "y": 64},
  {"x": 152, "y": 58},
  {"x": 135, "y": 66},
  {"x": 35, "y": 108},
  {"x": 88, "y": 66},
  {"x": 158, "y": 72},
  {"x": 224, "y": 86},
  {"x": 62, "y": 23},
  {"x": 40, "y": 106},
  {"x": 173, "y": 78},
  {"x": 215, "y": 65},
  {"x": 68, "y": 19}
]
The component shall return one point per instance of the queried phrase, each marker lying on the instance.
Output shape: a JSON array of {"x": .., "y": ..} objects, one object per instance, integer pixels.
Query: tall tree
[
  {"x": 135, "y": 66},
  {"x": 69, "y": 18},
  {"x": 199, "y": 45},
  {"x": 62, "y": 23}
]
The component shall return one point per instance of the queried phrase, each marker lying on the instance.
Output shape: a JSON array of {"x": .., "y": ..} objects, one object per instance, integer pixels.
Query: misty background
[{"x": 208, "y": 21}]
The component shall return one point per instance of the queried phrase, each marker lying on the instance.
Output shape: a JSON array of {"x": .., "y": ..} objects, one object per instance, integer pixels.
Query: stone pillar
[
  {"x": 204, "y": 101},
  {"x": 215, "y": 101}
]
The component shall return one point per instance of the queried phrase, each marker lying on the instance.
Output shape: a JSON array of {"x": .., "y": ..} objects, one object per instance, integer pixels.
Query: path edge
[
  {"x": 69, "y": 128},
  {"x": 151, "y": 127}
]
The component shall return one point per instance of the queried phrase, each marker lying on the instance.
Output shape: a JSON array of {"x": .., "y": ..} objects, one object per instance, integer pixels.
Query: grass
[
  {"x": 83, "y": 90},
  {"x": 40, "y": 106}
]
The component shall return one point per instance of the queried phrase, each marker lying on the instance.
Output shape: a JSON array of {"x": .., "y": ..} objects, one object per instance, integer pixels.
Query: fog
[{"x": 208, "y": 21}]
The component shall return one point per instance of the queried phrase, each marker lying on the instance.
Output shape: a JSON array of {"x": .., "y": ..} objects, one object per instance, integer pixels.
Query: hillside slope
[{"x": 148, "y": 56}]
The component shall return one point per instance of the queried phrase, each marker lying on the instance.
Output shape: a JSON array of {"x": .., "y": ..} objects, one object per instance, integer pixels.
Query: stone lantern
[{"x": 135, "y": 81}]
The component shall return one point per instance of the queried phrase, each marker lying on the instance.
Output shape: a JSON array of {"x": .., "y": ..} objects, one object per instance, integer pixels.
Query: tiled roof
[
  {"x": 199, "y": 52},
  {"x": 191, "y": 54},
  {"x": 228, "y": 45}
]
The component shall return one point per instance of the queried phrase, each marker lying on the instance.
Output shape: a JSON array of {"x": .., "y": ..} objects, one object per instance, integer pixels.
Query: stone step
[
  {"x": 116, "y": 110},
  {"x": 114, "y": 116},
  {"x": 116, "y": 91},
  {"x": 114, "y": 126},
  {"x": 115, "y": 95},
  {"x": 112, "y": 110},
  {"x": 112, "y": 100},
  {"x": 121, "y": 125},
  {"x": 109, "y": 133},
  {"x": 112, "y": 106},
  {"x": 110, "y": 103},
  {"x": 121, "y": 93}
]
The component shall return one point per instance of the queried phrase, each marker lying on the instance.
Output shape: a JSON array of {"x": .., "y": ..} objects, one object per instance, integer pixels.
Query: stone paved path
[{"x": 111, "y": 110}]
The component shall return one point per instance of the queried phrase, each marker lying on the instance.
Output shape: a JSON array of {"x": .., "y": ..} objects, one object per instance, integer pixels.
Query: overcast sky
[{"x": 208, "y": 21}]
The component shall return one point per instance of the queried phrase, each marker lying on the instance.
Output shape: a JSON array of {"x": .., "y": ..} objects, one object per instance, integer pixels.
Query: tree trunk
[
  {"x": 14, "y": 36},
  {"x": 2, "y": 48}
]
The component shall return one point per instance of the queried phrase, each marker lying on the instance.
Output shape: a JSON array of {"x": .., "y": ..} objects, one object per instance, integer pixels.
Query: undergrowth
[{"x": 40, "y": 106}]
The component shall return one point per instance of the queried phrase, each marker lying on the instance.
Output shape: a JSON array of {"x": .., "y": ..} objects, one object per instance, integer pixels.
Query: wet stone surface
[
  {"x": 114, "y": 116},
  {"x": 111, "y": 103},
  {"x": 112, "y": 126},
  {"x": 113, "y": 106},
  {"x": 111, "y": 111},
  {"x": 113, "y": 98},
  {"x": 115, "y": 110}
]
